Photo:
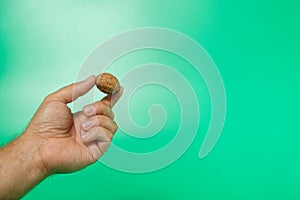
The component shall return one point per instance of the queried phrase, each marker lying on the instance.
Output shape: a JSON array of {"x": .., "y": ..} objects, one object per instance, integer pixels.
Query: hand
[{"x": 69, "y": 142}]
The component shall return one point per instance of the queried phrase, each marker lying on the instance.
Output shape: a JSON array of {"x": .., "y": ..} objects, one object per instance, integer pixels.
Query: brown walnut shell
[{"x": 107, "y": 83}]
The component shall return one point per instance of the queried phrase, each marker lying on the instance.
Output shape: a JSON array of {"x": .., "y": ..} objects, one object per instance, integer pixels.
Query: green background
[{"x": 255, "y": 45}]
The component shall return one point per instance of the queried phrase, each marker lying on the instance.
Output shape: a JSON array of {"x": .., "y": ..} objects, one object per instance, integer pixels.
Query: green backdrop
[{"x": 255, "y": 45}]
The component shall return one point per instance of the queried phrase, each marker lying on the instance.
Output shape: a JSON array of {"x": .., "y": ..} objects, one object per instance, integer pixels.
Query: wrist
[
  {"x": 30, "y": 146},
  {"x": 21, "y": 167}
]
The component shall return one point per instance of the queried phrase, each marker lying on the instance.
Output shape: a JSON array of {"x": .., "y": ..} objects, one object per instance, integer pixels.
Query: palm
[{"x": 61, "y": 132}]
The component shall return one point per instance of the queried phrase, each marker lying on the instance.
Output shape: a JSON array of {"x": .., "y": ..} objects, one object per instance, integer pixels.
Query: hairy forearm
[{"x": 21, "y": 167}]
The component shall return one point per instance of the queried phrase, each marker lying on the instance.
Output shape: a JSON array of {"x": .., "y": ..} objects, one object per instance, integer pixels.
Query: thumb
[{"x": 72, "y": 92}]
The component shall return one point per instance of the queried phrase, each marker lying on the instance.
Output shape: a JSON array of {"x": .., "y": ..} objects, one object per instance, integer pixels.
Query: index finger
[{"x": 112, "y": 99}]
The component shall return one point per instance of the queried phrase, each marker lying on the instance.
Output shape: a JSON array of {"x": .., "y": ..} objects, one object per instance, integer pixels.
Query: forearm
[{"x": 21, "y": 167}]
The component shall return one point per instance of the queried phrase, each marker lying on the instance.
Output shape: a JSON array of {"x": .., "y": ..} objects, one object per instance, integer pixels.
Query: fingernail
[
  {"x": 86, "y": 125},
  {"x": 85, "y": 136},
  {"x": 89, "y": 109}
]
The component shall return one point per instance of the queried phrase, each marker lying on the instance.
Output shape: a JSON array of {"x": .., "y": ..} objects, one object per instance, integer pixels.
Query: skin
[{"x": 57, "y": 141}]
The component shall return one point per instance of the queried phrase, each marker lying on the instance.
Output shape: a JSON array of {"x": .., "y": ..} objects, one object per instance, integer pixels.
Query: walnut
[{"x": 107, "y": 83}]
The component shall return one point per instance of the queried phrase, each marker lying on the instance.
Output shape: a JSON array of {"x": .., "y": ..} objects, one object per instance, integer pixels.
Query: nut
[{"x": 107, "y": 83}]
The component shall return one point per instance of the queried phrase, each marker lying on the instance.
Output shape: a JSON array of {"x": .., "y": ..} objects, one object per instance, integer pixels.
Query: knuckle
[
  {"x": 99, "y": 120},
  {"x": 110, "y": 136},
  {"x": 115, "y": 126},
  {"x": 49, "y": 97},
  {"x": 101, "y": 105},
  {"x": 110, "y": 113},
  {"x": 113, "y": 115}
]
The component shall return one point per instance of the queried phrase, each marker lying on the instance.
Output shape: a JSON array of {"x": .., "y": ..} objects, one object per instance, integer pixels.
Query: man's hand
[
  {"x": 57, "y": 141},
  {"x": 71, "y": 142}
]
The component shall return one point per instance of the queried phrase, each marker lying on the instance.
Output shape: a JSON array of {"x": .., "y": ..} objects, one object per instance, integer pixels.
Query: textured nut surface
[{"x": 107, "y": 83}]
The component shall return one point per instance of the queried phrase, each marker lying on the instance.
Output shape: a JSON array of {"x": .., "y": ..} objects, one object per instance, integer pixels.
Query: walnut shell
[{"x": 107, "y": 83}]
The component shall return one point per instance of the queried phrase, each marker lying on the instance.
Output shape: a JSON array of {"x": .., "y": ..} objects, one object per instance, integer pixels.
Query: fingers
[
  {"x": 98, "y": 134},
  {"x": 111, "y": 100},
  {"x": 72, "y": 92},
  {"x": 97, "y": 149},
  {"x": 103, "y": 107},
  {"x": 97, "y": 140},
  {"x": 94, "y": 149},
  {"x": 99, "y": 128},
  {"x": 98, "y": 108},
  {"x": 100, "y": 120}
]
